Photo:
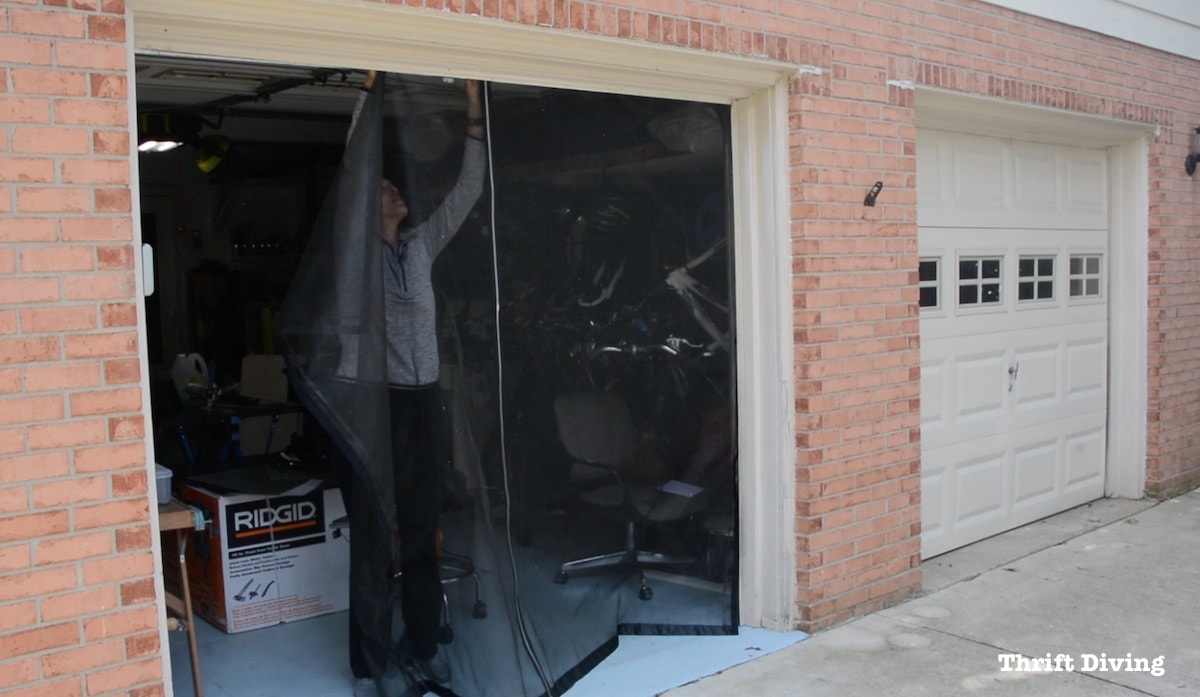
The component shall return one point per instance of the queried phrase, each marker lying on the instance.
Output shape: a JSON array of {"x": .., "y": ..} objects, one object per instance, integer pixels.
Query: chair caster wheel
[
  {"x": 645, "y": 592},
  {"x": 480, "y": 609},
  {"x": 561, "y": 577},
  {"x": 445, "y": 634}
]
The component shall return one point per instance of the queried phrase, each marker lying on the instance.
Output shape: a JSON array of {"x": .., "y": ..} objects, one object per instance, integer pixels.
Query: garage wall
[{"x": 78, "y": 591}]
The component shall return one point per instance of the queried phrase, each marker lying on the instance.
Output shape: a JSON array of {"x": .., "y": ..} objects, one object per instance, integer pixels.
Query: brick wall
[
  {"x": 856, "y": 326},
  {"x": 77, "y": 611},
  {"x": 76, "y": 572}
]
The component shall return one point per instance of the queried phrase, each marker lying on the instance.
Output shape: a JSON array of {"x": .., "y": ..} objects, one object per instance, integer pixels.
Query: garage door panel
[
  {"x": 986, "y": 187},
  {"x": 1036, "y": 181},
  {"x": 980, "y": 385},
  {"x": 1014, "y": 390},
  {"x": 1085, "y": 459},
  {"x": 980, "y": 489},
  {"x": 1035, "y": 383},
  {"x": 933, "y": 390},
  {"x": 1086, "y": 369},
  {"x": 1009, "y": 183},
  {"x": 1086, "y": 177},
  {"x": 1034, "y": 473}
]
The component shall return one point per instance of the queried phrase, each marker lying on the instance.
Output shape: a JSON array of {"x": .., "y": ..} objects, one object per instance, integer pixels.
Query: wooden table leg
[{"x": 189, "y": 619}]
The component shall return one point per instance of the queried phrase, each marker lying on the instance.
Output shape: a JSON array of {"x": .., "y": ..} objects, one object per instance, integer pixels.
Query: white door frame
[
  {"x": 352, "y": 33},
  {"x": 1128, "y": 231}
]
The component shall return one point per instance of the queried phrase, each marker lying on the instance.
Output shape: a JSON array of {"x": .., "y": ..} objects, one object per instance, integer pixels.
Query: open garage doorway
[{"x": 589, "y": 291}]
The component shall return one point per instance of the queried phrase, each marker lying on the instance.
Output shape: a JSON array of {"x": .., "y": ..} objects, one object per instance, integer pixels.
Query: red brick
[
  {"x": 118, "y": 257},
  {"x": 27, "y": 170},
  {"x": 39, "y": 639},
  {"x": 110, "y": 513},
  {"x": 130, "y": 483},
  {"x": 18, "y": 615},
  {"x": 126, "y": 428},
  {"x": 73, "y": 548},
  {"x": 144, "y": 645},
  {"x": 110, "y": 142},
  {"x": 29, "y": 290},
  {"x": 35, "y": 584},
  {"x": 133, "y": 538},
  {"x": 34, "y": 110},
  {"x": 99, "y": 287},
  {"x": 110, "y": 458},
  {"x": 124, "y": 677},
  {"x": 118, "y": 315},
  {"x": 120, "y": 623},
  {"x": 97, "y": 229},
  {"x": 91, "y": 56},
  {"x": 51, "y": 141},
  {"x": 109, "y": 401},
  {"x": 19, "y": 672},
  {"x": 104, "y": 86},
  {"x": 108, "y": 345},
  {"x": 74, "y": 604},
  {"x": 60, "y": 377},
  {"x": 67, "y": 687},
  {"x": 65, "y": 492},
  {"x": 27, "y": 230},
  {"x": 52, "y": 259},
  {"x": 138, "y": 592},
  {"x": 122, "y": 371},
  {"x": 66, "y": 435},
  {"x": 30, "y": 410},
  {"x": 25, "y": 51},
  {"x": 63, "y": 318},
  {"x": 36, "y": 467},
  {"x": 83, "y": 659},
  {"x": 107, "y": 29},
  {"x": 49, "y": 82},
  {"x": 113, "y": 200},
  {"x": 48, "y": 23},
  {"x": 88, "y": 112}
]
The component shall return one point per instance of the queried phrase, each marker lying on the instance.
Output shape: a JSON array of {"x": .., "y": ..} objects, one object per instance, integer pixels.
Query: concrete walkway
[{"x": 1115, "y": 579}]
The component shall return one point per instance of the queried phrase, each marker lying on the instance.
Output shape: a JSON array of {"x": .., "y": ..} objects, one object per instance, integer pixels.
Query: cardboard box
[{"x": 265, "y": 560}]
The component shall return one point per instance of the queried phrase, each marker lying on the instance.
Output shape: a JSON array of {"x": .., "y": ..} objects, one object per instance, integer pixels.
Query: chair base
[{"x": 632, "y": 559}]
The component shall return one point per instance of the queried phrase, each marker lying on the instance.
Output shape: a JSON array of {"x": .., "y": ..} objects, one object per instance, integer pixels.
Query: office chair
[{"x": 597, "y": 432}]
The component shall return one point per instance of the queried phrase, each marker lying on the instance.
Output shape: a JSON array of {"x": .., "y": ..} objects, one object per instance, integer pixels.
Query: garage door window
[
  {"x": 979, "y": 280},
  {"x": 1035, "y": 278},
  {"x": 1085, "y": 276},
  {"x": 928, "y": 276}
]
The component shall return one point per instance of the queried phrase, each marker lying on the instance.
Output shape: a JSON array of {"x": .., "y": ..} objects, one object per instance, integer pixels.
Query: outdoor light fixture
[{"x": 1193, "y": 152}]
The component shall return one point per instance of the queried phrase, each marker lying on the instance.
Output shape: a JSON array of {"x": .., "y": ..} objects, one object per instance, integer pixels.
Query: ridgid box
[{"x": 265, "y": 560}]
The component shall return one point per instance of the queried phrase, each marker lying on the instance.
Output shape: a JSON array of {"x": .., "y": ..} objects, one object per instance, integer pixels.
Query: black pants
[{"x": 420, "y": 493}]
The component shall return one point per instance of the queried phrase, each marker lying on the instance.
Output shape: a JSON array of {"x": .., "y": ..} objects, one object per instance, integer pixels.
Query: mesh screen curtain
[{"x": 586, "y": 356}]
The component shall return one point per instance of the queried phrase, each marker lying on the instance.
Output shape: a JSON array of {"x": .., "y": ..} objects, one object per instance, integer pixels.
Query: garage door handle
[{"x": 1012, "y": 374}]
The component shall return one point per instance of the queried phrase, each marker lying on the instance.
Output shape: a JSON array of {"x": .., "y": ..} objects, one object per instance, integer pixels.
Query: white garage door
[{"x": 1013, "y": 243}]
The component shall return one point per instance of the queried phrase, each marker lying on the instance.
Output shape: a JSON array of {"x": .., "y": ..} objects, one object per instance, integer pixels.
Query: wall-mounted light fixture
[{"x": 1193, "y": 157}]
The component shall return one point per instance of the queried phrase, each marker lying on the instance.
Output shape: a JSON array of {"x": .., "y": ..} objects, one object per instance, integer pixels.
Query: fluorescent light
[{"x": 158, "y": 145}]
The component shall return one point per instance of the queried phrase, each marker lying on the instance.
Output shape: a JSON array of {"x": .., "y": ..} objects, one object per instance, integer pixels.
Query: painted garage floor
[{"x": 308, "y": 659}]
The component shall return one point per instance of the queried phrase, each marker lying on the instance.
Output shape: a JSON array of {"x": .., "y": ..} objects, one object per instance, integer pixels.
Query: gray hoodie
[{"x": 410, "y": 305}]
